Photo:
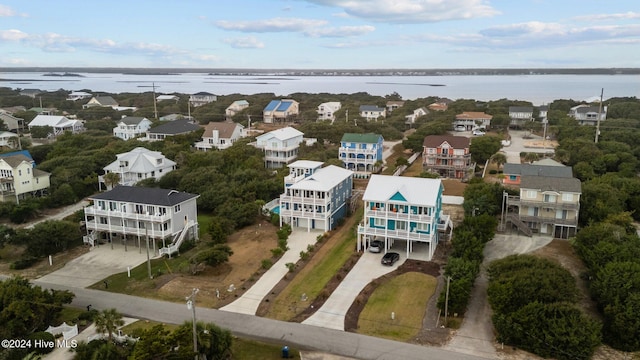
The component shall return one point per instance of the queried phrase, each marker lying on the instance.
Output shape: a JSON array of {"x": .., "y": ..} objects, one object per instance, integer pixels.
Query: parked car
[
  {"x": 390, "y": 258},
  {"x": 376, "y": 246},
  {"x": 478, "y": 132}
]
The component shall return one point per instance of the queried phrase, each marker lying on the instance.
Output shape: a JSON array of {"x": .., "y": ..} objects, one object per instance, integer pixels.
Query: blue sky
[{"x": 320, "y": 34}]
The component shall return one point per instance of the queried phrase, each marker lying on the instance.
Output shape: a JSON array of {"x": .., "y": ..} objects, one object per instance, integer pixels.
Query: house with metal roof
[
  {"x": 587, "y": 114},
  {"x": 372, "y": 112},
  {"x": 202, "y": 98},
  {"x": 139, "y": 164},
  {"x": 404, "y": 210},
  {"x": 315, "y": 197},
  {"x": 472, "y": 120},
  {"x": 520, "y": 115},
  {"x": 59, "y": 124},
  {"x": 235, "y": 108},
  {"x": 173, "y": 98},
  {"x": 171, "y": 128},
  {"x": 280, "y": 110},
  {"x": 131, "y": 127},
  {"x": 136, "y": 216},
  {"x": 280, "y": 146},
  {"x": 546, "y": 205},
  {"x": 448, "y": 156},
  {"x": 327, "y": 110},
  {"x": 220, "y": 135},
  {"x": 9, "y": 139},
  {"x": 101, "y": 101},
  {"x": 78, "y": 95},
  {"x": 19, "y": 177},
  {"x": 361, "y": 153}
]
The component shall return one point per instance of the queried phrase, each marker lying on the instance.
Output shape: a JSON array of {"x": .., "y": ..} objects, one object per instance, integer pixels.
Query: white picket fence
[{"x": 67, "y": 331}]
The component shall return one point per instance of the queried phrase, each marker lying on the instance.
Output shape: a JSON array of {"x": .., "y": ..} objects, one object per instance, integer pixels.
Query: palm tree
[
  {"x": 530, "y": 157},
  {"x": 499, "y": 159},
  {"x": 111, "y": 179},
  {"x": 108, "y": 321}
]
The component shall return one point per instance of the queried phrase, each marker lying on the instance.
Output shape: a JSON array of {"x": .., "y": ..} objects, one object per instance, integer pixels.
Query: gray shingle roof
[
  {"x": 175, "y": 127},
  {"x": 142, "y": 195},
  {"x": 538, "y": 170},
  {"x": 548, "y": 183}
]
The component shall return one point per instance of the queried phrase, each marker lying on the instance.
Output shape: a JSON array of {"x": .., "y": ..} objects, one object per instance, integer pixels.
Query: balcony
[
  {"x": 399, "y": 215},
  {"x": 548, "y": 220},
  {"x": 128, "y": 230},
  {"x": 304, "y": 214},
  {"x": 95, "y": 211},
  {"x": 304, "y": 200},
  {"x": 465, "y": 157},
  {"x": 348, "y": 150},
  {"x": 517, "y": 201},
  {"x": 465, "y": 166},
  {"x": 397, "y": 234}
]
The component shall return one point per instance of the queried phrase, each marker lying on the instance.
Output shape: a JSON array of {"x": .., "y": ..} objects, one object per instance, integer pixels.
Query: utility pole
[
  {"x": 146, "y": 233},
  {"x": 599, "y": 115},
  {"x": 446, "y": 301},
  {"x": 191, "y": 304}
]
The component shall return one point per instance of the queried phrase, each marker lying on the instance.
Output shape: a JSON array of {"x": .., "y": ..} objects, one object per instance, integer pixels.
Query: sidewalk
[{"x": 248, "y": 303}]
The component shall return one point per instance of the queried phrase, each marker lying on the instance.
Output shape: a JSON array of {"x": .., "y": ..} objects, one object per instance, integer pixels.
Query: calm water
[{"x": 539, "y": 89}]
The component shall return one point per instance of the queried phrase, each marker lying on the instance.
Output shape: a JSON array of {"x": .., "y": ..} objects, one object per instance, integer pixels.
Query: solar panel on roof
[
  {"x": 283, "y": 106},
  {"x": 272, "y": 105}
]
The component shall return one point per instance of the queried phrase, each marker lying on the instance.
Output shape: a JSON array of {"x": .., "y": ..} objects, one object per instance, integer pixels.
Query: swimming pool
[{"x": 276, "y": 210}]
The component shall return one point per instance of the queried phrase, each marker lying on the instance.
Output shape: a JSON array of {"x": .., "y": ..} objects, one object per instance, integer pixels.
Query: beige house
[
  {"x": 220, "y": 135},
  {"x": 19, "y": 177}
]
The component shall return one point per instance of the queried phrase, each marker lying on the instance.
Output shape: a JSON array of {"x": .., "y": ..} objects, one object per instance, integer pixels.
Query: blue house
[
  {"x": 361, "y": 153},
  {"x": 402, "y": 209},
  {"x": 315, "y": 197}
]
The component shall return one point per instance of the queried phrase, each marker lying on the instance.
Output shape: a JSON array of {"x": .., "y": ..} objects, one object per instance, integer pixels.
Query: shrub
[
  {"x": 24, "y": 263},
  {"x": 277, "y": 252},
  {"x": 291, "y": 266},
  {"x": 304, "y": 255},
  {"x": 187, "y": 245},
  {"x": 493, "y": 171},
  {"x": 266, "y": 264}
]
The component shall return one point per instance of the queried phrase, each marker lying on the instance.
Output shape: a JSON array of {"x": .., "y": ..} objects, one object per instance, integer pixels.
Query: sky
[{"x": 320, "y": 34}]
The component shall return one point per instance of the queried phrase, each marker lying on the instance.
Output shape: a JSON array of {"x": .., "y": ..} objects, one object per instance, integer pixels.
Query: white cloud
[
  {"x": 248, "y": 42},
  {"x": 630, "y": 15},
  {"x": 12, "y": 35},
  {"x": 412, "y": 11},
  {"x": 270, "y": 25},
  {"x": 6, "y": 11},
  {"x": 342, "y": 31}
]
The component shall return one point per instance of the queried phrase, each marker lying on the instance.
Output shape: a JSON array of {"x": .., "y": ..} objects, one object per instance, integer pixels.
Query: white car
[{"x": 478, "y": 132}]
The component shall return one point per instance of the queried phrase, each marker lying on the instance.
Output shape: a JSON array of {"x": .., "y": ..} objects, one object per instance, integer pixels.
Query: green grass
[
  {"x": 406, "y": 296},
  {"x": 204, "y": 221},
  {"x": 69, "y": 315},
  {"x": 315, "y": 276}
]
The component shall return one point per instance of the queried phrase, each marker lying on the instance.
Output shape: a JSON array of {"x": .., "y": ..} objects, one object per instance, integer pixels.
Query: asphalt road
[{"x": 286, "y": 333}]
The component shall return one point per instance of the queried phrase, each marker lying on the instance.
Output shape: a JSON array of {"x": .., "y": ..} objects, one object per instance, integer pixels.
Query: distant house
[
  {"x": 361, "y": 153},
  {"x": 280, "y": 110},
  {"x": 19, "y": 177},
  {"x": 318, "y": 198},
  {"x": 372, "y": 112},
  {"x": 587, "y": 114},
  {"x": 172, "y": 117},
  {"x": 32, "y": 93},
  {"x": 59, "y": 124},
  {"x": 9, "y": 139},
  {"x": 220, "y": 135},
  {"x": 400, "y": 211},
  {"x": 542, "y": 112},
  {"x": 440, "y": 105},
  {"x": 12, "y": 123},
  {"x": 171, "y": 128},
  {"x": 473, "y": 120},
  {"x": 448, "y": 156},
  {"x": 520, "y": 115},
  {"x": 44, "y": 111},
  {"x": 102, "y": 101},
  {"x": 394, "y": 105},
  {"x": 133, "y": 214},
  {"x": 280, "y": 146},
  {"x": 327, "y": 110},
  {"x": 235, "y": 108},
  {"x": 167, "y": 98},
  {"x": 202, "y": 98},
  {"x": 131, "y": 127},
  {"x": 139, "y": 164},
  {"x": 417, "y": 113},
  {"x": 78, "y": 95}
]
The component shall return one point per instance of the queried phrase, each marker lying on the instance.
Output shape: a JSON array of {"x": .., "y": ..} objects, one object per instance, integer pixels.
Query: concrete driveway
[
  {"x": 101, "y": 262},
  {"x": 248, "y": 303},
  {"x": 519, "y": 144},
  {"x": 331, "y": 314}
]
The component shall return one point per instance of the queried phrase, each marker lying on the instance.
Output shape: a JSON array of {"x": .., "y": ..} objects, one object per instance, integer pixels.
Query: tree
[
  {"x": 111, "y": 179},
  {"x": 483, "y": 147},
  {"x": 499, "y": 159},
  {"x": 108, "y": 321},
  {"x": 213, "y": 342}
]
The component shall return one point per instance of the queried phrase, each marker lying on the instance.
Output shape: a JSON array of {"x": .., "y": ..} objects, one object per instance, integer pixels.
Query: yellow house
[{"x": 19, "y": 177}]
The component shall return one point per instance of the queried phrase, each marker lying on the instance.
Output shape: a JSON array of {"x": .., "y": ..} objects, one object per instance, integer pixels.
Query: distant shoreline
[{"x": 331, "y": 72}]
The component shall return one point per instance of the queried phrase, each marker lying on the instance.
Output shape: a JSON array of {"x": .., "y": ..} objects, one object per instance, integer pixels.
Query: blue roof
[
  {"x": 284, "y": 105},
  {"x": 21, "y": 152},
  {"x": 272, "y": 105}
]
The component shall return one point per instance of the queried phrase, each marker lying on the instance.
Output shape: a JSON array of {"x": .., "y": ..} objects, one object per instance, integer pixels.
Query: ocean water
[{"x": 538, "y": 89}]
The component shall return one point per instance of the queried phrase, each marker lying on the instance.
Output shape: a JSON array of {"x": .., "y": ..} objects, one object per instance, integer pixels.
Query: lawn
[
  {"x": 405, "y": 296},
  {"x": 316, "y": 274}
]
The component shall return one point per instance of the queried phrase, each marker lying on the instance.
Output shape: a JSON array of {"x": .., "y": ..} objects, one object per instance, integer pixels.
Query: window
[
  {"x": 401, "y": 225},
  {"x": 423, "y": 227},
  {"x": 531, "y": 194},
  {"x": 567, "y": 197},
  {"x": 379, "y": 222},
  {"x": 176, "y": 208},
  {"x": 549, "y": 198},
  {"x": 103, "y": 220},
  {"x": 19, "y": 172}
]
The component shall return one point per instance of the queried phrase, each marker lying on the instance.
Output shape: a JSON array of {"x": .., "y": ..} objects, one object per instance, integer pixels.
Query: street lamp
[{"x": 191, "y": 304}]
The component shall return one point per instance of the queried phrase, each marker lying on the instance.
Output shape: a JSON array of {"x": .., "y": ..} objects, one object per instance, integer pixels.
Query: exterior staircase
[
  {"x": 513, "y": 218},
  {"x": 175, "y": 244}
]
